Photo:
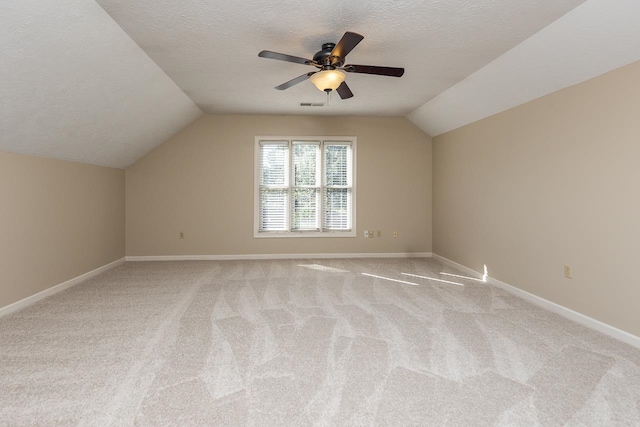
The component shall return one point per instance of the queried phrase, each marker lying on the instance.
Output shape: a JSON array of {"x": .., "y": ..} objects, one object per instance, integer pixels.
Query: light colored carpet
[{"x": 306, "y": 342}]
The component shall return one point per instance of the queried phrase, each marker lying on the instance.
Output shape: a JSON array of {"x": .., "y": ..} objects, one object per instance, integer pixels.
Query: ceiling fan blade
[
  {"x": 372, "y": 69},
  {"x": 283, "y": 57},
  {"x": 348, "y": 41},
  {"x": 295, "y": 81},
  {"x": 344, "y": 91}
]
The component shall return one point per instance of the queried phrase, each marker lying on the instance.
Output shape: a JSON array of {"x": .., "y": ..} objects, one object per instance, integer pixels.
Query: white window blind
[
  {"x": 305, "y": 187},
  {"x": 274, "y": 187},
  {"x": 337, "y": 191},
  {"x": 305, "y": 203}
]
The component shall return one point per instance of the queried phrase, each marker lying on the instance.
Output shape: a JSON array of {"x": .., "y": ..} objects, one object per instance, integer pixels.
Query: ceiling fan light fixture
[{"x": 328, "y": 80}]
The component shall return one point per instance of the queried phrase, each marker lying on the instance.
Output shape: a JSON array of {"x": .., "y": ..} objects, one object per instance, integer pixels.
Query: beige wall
[
  {"x": 200, "y": 182},
  {"x": 58, "y": 220},
  {"x": 555, "y": 181}
]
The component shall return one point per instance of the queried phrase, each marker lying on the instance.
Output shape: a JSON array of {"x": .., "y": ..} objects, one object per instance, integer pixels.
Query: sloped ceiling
[
  {"x": 74, "y": 86},
  {"x": 596, "y": 37},
  {"x": 106, "y": 82}
]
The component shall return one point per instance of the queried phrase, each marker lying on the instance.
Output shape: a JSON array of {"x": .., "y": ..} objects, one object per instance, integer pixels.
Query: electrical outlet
[
  {"x": 379, "y": 233},
  {"x": 568, "y": 273},
  {"x": 181, "y": 235},
  {"x": 395, "y": 234}
]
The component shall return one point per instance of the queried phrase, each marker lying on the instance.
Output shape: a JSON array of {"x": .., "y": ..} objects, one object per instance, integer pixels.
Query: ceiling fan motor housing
[{"x": 325, "y": 59}]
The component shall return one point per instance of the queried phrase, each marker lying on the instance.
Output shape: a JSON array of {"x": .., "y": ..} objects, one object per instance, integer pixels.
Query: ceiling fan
[{"x": 330, "y": 64}]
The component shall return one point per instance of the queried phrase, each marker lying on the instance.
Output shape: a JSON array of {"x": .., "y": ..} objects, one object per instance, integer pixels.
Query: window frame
[{"x": 291, "y": 140}]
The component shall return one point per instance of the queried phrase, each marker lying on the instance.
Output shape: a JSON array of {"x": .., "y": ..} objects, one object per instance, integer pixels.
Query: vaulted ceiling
[{"x": 106, "y": 81}]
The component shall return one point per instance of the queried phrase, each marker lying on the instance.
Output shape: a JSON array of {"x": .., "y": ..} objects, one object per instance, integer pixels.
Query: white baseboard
[
  {"x": 580, "y": 318},
  {"x": 457, "y": 266},
  {"x": 277, "y": 256},
  {"x": 19, "y": 305}
]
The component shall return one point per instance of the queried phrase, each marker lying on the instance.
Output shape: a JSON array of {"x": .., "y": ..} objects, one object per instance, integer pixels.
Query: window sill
[{"x": 302, "y": 234}]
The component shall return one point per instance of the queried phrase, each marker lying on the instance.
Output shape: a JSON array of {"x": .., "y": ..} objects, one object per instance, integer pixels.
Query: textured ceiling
[
  {"x": 74, "y": 86},
  {"x": 105, "y": 85},
  {"x": 210, "y": 48},
  {"x": 596, "y": 37}
]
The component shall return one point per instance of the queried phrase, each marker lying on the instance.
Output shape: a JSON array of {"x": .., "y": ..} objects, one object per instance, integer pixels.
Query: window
[{"x": 305, "y": 187}]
